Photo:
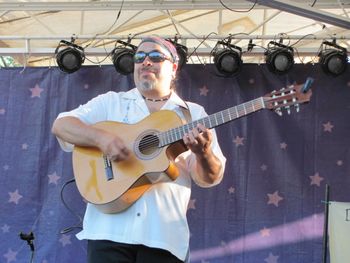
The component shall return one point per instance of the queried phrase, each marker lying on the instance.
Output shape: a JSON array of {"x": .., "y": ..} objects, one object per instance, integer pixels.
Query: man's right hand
[
  {"x": 113, "y": 147},
  {"x": 74, "y": 131}
]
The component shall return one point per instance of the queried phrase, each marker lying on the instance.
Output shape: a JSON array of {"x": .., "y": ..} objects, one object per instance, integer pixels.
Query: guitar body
[{"x": 132, "y": 177}]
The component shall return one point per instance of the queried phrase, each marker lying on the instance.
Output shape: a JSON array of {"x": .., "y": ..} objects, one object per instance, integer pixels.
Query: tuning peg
[
  {"x": 275, "y": 104},
  {"x": 297, "y": 108},
  {"x": 278, "y": 111},
  {"x": 285, "y": 102}
]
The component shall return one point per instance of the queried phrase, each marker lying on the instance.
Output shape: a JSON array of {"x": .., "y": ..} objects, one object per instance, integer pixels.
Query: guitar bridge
[{"x": 108, "y": 168}]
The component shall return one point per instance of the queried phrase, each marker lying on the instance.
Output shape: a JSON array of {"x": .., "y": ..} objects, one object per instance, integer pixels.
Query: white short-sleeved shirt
[{"x": 158, "y": 218}]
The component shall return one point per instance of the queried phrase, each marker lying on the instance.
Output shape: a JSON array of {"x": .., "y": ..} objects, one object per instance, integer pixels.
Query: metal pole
[{"x": 325, "y": 227}]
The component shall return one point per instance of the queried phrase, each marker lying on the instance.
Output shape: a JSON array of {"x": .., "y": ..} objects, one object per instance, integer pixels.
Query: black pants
[{"x": 104, "y": 251}]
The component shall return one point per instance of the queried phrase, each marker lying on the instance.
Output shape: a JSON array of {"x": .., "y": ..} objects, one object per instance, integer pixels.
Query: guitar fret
[
  {"x": 208, "y": 124},
  {"x": 187, "y": 128},
  {"x": 190, "y": 126},
  {"x": 237, "y": 114},
  {"x": 239, "y": 107},
  {"x": 175, "y": 134},
  {"x": 262, "y": 102},
  {"x": 165, "y": 141},
  {"x": 245, "y": 111},
  {"x": 194, "y": 124},
  {"x": 213, "y": 120},
  {"x": 168, "y": 136},
  {"x": 229, "y": 114},
  {"x": 204, "y": 122},
  {"x": 181, "y": 133},
  {"x": 165, "y": 138},
  {"x": 171, "y": 135},
  {"x": 160, "y": 137}
]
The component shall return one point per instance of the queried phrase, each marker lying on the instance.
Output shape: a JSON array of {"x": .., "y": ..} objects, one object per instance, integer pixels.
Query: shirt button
[{"x": 138, "y": 214}]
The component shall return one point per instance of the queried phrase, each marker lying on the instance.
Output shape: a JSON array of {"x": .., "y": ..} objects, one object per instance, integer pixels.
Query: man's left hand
[{"x": 198, "y": 140}]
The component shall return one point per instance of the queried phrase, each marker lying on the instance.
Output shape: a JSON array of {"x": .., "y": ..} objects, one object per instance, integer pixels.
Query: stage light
[
  {"x": 228, "y": 59},
  {"x": 279, "y": 58},
  {"x": 123, "y": 57},
  {"x": 69, "y": 56},
  {"x": 182, "y": 52},
  {"x": 333, "y": 60}
]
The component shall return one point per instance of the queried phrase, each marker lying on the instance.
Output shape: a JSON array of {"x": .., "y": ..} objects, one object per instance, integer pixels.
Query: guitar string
[
  {"x": 248, "y": 107},
  {"x": 225, "y": 114},
  {"x": 178, "y": 131}
]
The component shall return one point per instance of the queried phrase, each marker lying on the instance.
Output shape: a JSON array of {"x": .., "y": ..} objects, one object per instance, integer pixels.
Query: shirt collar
[{"x": 134, "y": 94}]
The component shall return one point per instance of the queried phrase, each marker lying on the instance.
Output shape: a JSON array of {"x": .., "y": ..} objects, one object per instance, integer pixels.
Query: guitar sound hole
[{"x": 149, "y": 144}]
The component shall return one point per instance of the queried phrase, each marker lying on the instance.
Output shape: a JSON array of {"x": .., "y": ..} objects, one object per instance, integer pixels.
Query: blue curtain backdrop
[{"x": 267, "y": 209}]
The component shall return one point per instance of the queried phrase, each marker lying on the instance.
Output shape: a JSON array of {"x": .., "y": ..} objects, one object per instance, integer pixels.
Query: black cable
[
  {"x": 115, "y": 21},
  {"x": 312, "y": 5},
  {"x": 94, "y": 62},
  {"x": 281, "y": 37},
  {"x": 79, "y": 224},
  {"x": 256, "y": 45},
  {"x": 201, "y": 44},
  {"x": 107, "y": 54},
  {"x": 296, "y": 51},
  {"x": 301, "y": 39},
  {"x": 239, "y": 11}
]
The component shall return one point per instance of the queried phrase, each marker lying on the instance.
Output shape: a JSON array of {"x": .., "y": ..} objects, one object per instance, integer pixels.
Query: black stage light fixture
[
  {"x": 123, "y": 57},
  {"x": 228, "y": 58},
  {"x": 182, "y": 52},
  {"x": 69, "y": 56},
  {"x": 279, "y": 58},
  {"x": 333, "y": 58}
]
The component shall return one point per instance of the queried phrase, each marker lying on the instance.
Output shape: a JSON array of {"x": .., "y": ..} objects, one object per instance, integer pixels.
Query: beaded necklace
[{"x": 155, "y": 100}]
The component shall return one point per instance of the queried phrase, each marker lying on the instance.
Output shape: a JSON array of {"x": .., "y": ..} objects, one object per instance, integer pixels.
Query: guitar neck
[{"x": 212, "y": 121}]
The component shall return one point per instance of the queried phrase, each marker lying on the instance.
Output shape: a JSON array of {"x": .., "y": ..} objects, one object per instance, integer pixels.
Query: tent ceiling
[{"x": 31, "y": 30}]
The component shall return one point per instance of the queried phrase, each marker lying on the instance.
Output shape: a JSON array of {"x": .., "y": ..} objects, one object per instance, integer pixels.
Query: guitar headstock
[{"x": 284, "y": 98}]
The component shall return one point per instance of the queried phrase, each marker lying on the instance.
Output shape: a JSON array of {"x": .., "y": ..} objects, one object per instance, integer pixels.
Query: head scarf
[{"x": 165, "y": 44}]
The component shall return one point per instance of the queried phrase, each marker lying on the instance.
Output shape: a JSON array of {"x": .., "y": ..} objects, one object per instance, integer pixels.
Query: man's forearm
[
  {"x": 72, "y": 130},
  {"x": 208, "y": 168}
]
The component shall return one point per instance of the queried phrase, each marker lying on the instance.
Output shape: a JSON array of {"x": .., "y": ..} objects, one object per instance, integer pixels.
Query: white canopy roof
[{"x": 31, "y": 30}]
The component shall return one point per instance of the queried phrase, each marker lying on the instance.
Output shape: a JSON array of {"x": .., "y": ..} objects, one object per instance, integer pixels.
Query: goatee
[{"x": 146, "y": 85}]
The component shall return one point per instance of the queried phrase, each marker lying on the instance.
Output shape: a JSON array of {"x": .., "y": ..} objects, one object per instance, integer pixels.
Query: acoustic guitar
[{"x": 154, "y": 143}]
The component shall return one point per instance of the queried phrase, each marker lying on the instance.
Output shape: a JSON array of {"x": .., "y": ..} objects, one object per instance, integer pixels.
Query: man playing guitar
[{"x": 134, "y": 174}]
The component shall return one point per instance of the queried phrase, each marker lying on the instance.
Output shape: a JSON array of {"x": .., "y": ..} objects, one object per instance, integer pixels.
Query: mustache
[{"x": 141, "y": 70}]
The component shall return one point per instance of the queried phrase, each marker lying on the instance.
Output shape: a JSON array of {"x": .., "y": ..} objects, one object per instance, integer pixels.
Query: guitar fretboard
[{"x": 211, "y": 121}]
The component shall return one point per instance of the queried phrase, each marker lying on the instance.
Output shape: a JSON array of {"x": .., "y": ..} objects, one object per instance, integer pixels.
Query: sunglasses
[{"x": 155, "y": 56}]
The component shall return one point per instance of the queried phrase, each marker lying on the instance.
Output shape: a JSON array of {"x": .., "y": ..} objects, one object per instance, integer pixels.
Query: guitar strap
[{"x": 186, "y": 112}]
